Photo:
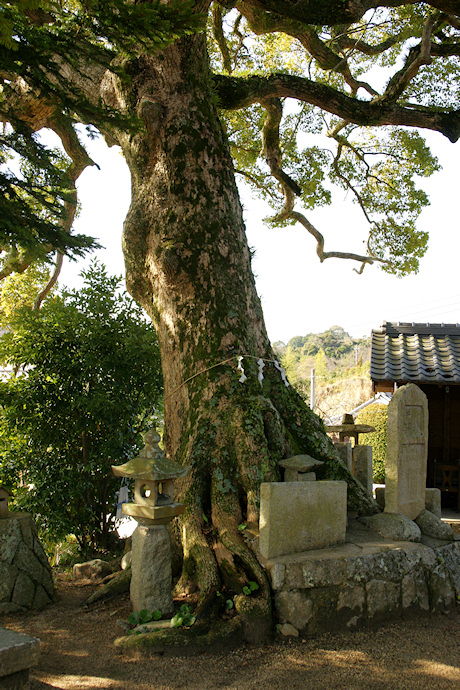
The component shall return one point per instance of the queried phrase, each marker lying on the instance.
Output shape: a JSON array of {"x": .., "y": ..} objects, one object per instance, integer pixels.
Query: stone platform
[
  {"x": 365, "y": 581},
  {"x": 18, "y": 653}
]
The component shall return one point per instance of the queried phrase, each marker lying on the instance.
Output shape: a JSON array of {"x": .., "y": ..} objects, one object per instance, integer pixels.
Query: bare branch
[{"x": 364, "y": 260}]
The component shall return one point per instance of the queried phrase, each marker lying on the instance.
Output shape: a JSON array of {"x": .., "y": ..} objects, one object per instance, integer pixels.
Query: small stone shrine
[
  {"x": 300, "y": 468},
  {"x": 154, "y": 507},
  {"x": 25, "y": 574}
]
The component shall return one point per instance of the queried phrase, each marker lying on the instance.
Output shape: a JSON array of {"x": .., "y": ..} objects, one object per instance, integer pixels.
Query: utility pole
[{"x": 312, "y": 390}]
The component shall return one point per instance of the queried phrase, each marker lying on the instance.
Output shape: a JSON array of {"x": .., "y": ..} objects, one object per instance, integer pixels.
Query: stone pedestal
[
  {"x": 344, "y": 450},
  {"x": 25, "y": 574},
  {"x": 407, "y": 450},
  {"x": 362, "y": 466},
  {"x": 151, "y": 580}
]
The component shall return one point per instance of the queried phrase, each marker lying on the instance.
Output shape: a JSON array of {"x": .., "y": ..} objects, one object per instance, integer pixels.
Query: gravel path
[{"x": 77, "y": 653}]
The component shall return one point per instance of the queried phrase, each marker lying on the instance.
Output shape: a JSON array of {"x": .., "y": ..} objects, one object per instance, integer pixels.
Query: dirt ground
[{"x": 77, "y": 652}]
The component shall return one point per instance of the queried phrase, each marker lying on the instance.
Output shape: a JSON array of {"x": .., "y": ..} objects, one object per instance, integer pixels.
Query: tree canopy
[{"x": 366, "y": 76}]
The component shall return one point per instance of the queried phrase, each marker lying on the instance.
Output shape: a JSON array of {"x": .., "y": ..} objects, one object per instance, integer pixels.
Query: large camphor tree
[{"x": 248, "y": 95}]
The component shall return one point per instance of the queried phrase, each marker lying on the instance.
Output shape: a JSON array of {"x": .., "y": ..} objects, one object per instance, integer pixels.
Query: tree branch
[
  {"x": 219, "y": 37},
  {"x": 418, "y": 56},
  {"x": 364, "y": 260},
  {"x": 331, "y": 12},
  {"x": 272, "y": 154},
  {"x": 240, "y": 92},
  {"x": 261, "y": 23}
]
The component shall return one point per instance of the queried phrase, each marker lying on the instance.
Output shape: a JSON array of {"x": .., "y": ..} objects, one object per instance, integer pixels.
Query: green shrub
[
  {"x": 86, "y": 380},
  {"x": 376, "y": 415}
]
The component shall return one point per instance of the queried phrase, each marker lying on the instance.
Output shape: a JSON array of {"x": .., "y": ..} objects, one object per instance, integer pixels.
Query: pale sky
[{"x": 300, "y": 295}]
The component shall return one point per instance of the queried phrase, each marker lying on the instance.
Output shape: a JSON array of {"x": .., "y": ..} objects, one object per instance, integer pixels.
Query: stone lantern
[
  {"x": 153, "y": 508},
  {"x": 154, "y": 477}
]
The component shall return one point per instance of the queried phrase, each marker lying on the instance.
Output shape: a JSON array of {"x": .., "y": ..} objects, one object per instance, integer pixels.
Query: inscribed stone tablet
[
  {"x": 300, "y": 516},
  {"x": 407, "y": 449}
]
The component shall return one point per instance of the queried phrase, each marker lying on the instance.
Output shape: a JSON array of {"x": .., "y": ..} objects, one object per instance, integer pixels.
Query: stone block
[
  {"x": 407, "y": 449},
  {"x": 351, "y": 601},
  {"x": 151, "y": 580},
  {"x": 382, "y": 599},
  {"x": 8, "y": 575},
  {"x": 312, "y": 573},
  {"x": 301, "y": 516},
  {"x": 10, "y": 538},
  {"x": 441, "y": 588},
  {"x": 433, "y": 501},
  {"x": 295, "y": 476},
  {"x": 362, "y": 466},
  {"x": 24, "y": 590},
  {"x": 345, "y": 454},
  {"x": 306, "y": 477},
  {"x": 18, "y": 653},
  {"x": 380, "y": 496},
  {"x": 294, "y": 608},
  {"x": 414, "y": 592}
]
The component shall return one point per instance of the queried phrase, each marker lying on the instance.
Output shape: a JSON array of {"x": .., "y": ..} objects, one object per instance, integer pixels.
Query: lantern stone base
[{"x": 151, "y": 580}]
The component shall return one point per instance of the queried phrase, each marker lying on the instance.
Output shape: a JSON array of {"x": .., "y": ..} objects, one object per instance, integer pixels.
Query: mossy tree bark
[{"x": 189, "y": 265}]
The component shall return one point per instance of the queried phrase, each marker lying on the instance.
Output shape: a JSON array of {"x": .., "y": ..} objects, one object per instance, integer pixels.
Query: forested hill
[{"x": 341, "y": 366}]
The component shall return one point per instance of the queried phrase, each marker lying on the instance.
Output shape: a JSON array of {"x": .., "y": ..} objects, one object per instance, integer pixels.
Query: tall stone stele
[
  {"x": 154, "y": 507},
  {"x": 407, "y": 452}
]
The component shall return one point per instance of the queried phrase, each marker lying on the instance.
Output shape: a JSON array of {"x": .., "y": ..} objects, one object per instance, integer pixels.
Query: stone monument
[
  {"x": 300, "y": 516},
  {"x": 407, "y": 452},
  {"x": 25, "y": 574},
  {"x": 154, "y": 507}
]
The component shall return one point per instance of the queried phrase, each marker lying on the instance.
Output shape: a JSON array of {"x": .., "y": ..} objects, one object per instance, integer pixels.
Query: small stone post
[
  {"x": 345, "y": 453},
  {"x": 362, "y": 466}
]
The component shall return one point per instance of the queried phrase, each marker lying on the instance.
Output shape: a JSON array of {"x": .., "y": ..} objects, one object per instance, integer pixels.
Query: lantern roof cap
[{"x": 151, "y": 463}]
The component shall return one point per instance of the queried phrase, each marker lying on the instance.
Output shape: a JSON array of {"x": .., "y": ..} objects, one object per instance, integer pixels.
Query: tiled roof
[{"x": 417, "y": 352}]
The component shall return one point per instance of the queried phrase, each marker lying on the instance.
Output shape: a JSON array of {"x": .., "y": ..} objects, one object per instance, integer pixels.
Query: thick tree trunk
[{"x": 189, "y": 266}]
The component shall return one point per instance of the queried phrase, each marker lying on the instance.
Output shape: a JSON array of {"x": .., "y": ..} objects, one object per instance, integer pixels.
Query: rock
[
  {"x": 393, "y": 526},
  {"x": 118, "y": 585},
  {"x": 91, "y": 570},
  {"x": 9, "y": 607},
  {"x": 126, "y": 560},
  {"x": 432, "y": 526},
  {"x": 300, "y": 463},
  {"x": 288, "y": 630}
]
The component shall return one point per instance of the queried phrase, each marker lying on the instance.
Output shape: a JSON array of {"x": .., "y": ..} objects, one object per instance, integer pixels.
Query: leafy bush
[
  {"x": 377, "y": 416},
  {"x": 88, "y": 380}
]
